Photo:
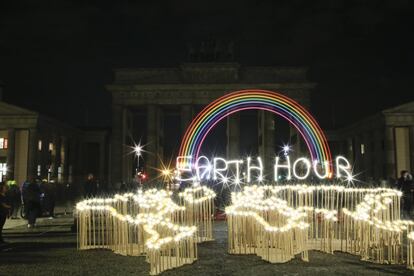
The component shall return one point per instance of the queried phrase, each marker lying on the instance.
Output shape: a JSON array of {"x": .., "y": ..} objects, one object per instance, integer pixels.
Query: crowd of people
[
  {"x": 4, "y": 209},
  {"x": 30, "y": 200}
]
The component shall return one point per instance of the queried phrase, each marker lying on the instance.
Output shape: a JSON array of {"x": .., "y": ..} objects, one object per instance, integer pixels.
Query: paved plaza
[{"x": 50, "y": 249}]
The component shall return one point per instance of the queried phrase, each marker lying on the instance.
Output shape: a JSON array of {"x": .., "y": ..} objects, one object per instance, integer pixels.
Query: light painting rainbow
[{"x": 270, "y": 101}]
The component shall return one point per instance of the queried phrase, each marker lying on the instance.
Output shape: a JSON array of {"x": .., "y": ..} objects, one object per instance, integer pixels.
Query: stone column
[
  {"x": 32, "y": 154},
  {"x": 117, "y": 145},
  {"x": 412, "y": 148},
  {"x": 11, "y": 151},
  {"x": 389, "y": 161},
  {"x": 186, "y": 117},
  {"x": 64, "y": 158},
  {"x": 295, "y": 145},
  {"x": 43, "y": 157},
  {"x": 267, "y": 135},
  {"x": 358, "y": 162},
  {"x": 378, "y": 154},
  {"x": 102, "y": 159},
  {"x": 152, "y": 139},
  {"x": 160, "y": 140},
  {"x": 349, "y": 150},
  {"x": 368, "y": 155},
  {"x": 233, "y": 136},
  {"x": 57, "y": 159},
  {"x": 127, "y": 157},
  {"x": 73, "y": 172}
]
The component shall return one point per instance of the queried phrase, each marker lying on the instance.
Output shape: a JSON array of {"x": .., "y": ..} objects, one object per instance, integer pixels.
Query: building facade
[
  {"x": 380, "y": 146},
  {"x": 143, "y": 100},
  {"x": 35, "y": 146}
]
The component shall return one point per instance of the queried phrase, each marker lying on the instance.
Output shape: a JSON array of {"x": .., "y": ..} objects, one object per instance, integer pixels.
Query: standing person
[
  {"x": 15, "y": 198},
  {"x": 49, "y": 190},
  {"x": 32, "y": 203},
  {"x": 90, "y": 186},
  {"x": 97, "y": 187},
  {"x": 23, "y": 191},
  {"x": 405, "y": 184},
  {"x": 4, "y": 209}
]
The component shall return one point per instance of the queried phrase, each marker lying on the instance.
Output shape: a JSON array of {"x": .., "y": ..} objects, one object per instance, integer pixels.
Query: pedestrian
[
  {"x": 4, "y": 209},
  {"x": 123, "y": 188},
  {"x": 32, "y": 203},
  {"x": 90, "y": 186},
  {"x": 405, "y": 184},
  {"x": 14, "y": 196},
  {"x": 49, "y": 191},
  {"x": 23, "y": 191}
]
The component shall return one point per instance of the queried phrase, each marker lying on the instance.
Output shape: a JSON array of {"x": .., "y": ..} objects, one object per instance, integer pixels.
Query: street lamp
[
  {"x": 167, "y": 175},
  {"x": 166, "y": 172},
  {"x": 286, "y": 149},
  {"x": 138, "y": 152}
]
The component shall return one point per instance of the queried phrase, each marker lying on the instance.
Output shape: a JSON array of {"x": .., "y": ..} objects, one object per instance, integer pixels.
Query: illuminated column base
[
  {"x": 199, "y": 206},
  {"x": 274, "y": 222},
  {"x": 246, "y": 236},
  {"x": 136, "y": 225},
  {"x": 279, "y": 222},
  {"x": 410, "y": 249},
  {"x": 172, "y": 256}
]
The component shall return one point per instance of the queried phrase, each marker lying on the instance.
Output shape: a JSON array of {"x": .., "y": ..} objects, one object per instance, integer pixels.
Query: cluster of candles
[
  {"x": 273, "y": 222},
  {"x": 199, "y": 205},
  {"x": 279, "y": 222},
  {"x": 147, "y": 223}
]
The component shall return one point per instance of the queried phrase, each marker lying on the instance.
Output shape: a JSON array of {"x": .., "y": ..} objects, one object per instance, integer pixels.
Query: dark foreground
[{"x": 50, "y": 249}]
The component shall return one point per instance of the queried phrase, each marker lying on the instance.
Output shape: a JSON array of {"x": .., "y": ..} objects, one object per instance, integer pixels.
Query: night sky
[{"x": 56, "y": 56}]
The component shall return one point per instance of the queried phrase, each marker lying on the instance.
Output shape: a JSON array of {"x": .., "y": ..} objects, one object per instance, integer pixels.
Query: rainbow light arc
[{"x": 256, "y": 99}]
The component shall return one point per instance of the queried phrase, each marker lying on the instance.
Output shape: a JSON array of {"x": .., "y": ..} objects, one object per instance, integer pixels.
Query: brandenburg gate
[{"x": 142, "y": 97}]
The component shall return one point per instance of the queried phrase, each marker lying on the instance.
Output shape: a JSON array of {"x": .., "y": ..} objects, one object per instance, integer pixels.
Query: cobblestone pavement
[{"x": 50, "y": 249}]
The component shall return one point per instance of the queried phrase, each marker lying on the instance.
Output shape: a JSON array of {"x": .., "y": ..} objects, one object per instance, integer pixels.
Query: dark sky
[{"x": 56, "y": 56}]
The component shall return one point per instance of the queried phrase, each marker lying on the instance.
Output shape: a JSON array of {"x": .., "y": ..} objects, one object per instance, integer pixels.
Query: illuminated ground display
[{"x": 275, "y": 222}]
